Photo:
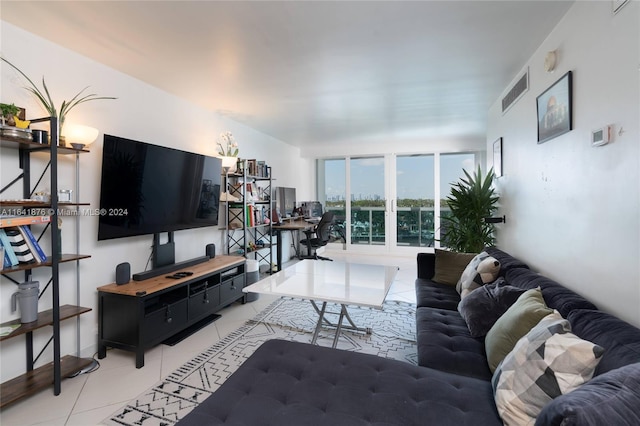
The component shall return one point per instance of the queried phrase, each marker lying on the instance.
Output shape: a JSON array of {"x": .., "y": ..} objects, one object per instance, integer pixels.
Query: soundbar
[{"x": 141, "y": 276}]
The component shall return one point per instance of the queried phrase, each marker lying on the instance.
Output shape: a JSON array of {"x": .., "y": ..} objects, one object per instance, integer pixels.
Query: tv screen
[{"x": 148, "y": 189}]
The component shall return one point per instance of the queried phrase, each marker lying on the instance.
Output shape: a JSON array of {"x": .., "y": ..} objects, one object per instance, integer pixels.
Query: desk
[{"x": 290, "y": 225}]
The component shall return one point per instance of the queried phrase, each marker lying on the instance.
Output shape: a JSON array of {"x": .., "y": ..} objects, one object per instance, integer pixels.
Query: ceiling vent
[{"x": 520, "y": 88}]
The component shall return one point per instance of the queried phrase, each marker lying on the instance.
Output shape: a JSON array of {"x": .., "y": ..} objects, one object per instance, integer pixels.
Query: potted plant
[
  {"x": 47, "y": 103},
  {"x": 472, "y": 200},
  {"x": 8, "y": 112}
]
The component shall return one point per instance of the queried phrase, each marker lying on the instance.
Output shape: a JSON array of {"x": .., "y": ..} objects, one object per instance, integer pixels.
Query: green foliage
[
  {"x": 471, "y": 200},
  {"x": 45, "y": 98},
  {"x": 9, "y": 110}
]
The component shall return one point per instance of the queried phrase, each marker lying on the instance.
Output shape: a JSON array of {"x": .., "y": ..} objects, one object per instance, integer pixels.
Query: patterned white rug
[{"x": 174, "y": 397}]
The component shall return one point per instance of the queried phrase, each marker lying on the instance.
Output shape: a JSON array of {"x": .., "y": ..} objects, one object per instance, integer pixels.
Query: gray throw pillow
[
  {"x": 612, "y": 398},
  {"x": 483, "y": 306}
]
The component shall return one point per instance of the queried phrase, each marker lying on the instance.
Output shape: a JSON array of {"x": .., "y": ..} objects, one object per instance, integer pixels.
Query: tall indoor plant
[
  {"x": 47, "y": 103},
  {"x": 472, "y": 199}
]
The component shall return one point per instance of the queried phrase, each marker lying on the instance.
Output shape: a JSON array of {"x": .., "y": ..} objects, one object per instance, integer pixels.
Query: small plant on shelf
[
  {"x": 8, "y": 113},
  {"x": 47, "y": 103}
]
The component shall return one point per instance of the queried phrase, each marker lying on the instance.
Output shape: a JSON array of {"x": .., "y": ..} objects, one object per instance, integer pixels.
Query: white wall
[
  {"x": 141, "y": 112},
  {"x": 572, "y": 209}
]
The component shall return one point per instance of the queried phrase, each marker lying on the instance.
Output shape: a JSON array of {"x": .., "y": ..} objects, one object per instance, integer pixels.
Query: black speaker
[
  {"x": 210, "y": 250},
  {"x": 123, "y": 273}
]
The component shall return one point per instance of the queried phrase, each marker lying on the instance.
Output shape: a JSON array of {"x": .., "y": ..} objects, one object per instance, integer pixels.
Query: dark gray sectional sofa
[{"x": 287, "y": 383}]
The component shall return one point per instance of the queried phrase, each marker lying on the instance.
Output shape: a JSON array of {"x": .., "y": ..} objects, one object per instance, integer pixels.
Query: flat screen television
[{"x": 149, "y": 189}]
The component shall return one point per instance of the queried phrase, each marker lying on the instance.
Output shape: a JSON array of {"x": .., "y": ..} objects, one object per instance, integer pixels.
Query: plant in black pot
[{"x": 472, "y": 199}]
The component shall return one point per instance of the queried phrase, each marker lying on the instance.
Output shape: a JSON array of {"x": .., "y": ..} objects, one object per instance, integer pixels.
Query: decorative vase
[{"x": 229, "y": 164}]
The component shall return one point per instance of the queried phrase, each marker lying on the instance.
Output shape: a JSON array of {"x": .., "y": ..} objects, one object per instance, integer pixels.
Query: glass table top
[{"x": 338, "y": 282}]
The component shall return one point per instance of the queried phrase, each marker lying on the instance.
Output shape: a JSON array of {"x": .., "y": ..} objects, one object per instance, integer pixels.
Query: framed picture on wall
[
  {"x": 554, "y": 109},
  {"x": 497, "y": 157}
]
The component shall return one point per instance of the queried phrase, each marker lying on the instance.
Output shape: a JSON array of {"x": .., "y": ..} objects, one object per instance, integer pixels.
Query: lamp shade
[{"x": 79, "y": 134}]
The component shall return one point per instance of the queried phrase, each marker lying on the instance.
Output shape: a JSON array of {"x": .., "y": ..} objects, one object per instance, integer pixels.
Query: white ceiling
[{"x": 310, "y": 72}]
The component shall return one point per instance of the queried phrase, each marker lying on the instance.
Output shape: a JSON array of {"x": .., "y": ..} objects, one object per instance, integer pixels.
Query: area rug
[{"x": 393, "y": 336}]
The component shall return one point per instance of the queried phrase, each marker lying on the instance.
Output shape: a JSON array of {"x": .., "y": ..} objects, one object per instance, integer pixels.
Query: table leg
[
  {"x": 320, "y": 319},
  {"x": 343, "y": 310},
  {"x": 279, "y": 249},
  {"x": 344, "y": 313}
]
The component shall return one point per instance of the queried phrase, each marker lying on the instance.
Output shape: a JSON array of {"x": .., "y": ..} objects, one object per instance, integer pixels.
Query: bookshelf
[
  {"x": 51, "y": 373},
  {"x": 249, "y": 228}
]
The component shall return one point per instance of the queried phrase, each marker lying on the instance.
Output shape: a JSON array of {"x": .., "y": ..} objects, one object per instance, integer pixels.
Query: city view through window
[{"x": 415, "y": 193}]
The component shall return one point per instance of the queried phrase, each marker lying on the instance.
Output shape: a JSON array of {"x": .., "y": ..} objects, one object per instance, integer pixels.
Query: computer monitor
[
  {"x": 286, "y": 200},
  {"x": 311, "y": 209}
]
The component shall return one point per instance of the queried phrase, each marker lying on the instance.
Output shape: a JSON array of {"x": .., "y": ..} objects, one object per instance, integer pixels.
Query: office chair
[{"x": 322, "y": 231}]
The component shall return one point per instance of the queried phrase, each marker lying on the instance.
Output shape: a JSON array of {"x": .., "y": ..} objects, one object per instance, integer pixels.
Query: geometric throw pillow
[
  {"x": 482, "y": 269},
  {"x": 483, "y": 306},
  {"x": 519, "y": 319},
  {"x": 449, "y": 266},
  {"x": 547, "y": 362}
]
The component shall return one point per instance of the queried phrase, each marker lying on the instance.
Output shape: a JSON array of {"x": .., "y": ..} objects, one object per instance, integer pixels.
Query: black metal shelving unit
[
  {"x": 243, "y": 238},
  {"x": 53, "y": 372}
]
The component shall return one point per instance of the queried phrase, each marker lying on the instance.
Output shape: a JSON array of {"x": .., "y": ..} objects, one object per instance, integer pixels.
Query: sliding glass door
[
  {"x": 368, "y": 201},
  {"x": 332, "y": 193},
  {"x": 389, "y": 202},
  {"x": 414, "y": 201}
]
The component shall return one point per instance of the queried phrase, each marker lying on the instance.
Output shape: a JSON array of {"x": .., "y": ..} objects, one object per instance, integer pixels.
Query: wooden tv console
[{"x": 140, "y": 314}]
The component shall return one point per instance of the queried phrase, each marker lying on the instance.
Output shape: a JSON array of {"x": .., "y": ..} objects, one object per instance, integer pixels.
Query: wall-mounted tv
[{"x": 149, "y": 189}]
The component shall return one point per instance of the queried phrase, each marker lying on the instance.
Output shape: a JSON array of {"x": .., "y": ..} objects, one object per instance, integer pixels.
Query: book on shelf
[
  {"x": 6, "y": 260},
  {"x": 249, "y": 215},
  {"x": 6, "y": 330},
  {"x": 10, "y": 220},
  {"x": 251, "y": 167},
  {"x": 19, "y": 246},
  {"x": 9, "y": 254},
  {"x": 262, "y": 169},
  {"x": 33, "y": 244}
]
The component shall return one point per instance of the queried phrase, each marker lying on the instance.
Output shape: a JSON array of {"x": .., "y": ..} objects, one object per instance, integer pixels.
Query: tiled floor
[{"x": 90, "y": 398}]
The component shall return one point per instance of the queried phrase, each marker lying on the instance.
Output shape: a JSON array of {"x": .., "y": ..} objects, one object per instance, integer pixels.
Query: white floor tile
[
  {"x": 92, "y": 417},
  {"x": 107, "y": 387}
]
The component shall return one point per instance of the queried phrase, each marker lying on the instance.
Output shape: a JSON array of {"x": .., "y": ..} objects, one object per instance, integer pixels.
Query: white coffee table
[{"x": 331, "y": 282}]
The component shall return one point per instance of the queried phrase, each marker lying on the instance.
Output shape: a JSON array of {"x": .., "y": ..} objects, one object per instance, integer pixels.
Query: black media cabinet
[{"x": 140, "y": 314}]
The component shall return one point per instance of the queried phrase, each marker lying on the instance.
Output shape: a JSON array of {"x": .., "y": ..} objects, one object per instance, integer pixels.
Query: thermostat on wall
[{"x": 601, "y": 136}]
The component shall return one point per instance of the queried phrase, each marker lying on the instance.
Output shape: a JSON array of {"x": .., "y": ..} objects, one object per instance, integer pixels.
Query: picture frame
[
  {"x": 497, "y": 157},
  {"x": 554, "y": 108}
]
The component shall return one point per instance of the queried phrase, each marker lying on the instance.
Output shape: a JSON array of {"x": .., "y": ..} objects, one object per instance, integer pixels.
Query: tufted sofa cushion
[
  {"x": 555, "y": 295},
  {"x": 434, "y": 295},
  {"x": 445, "y": 344},
  {"x": 289, "y": 383}
]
